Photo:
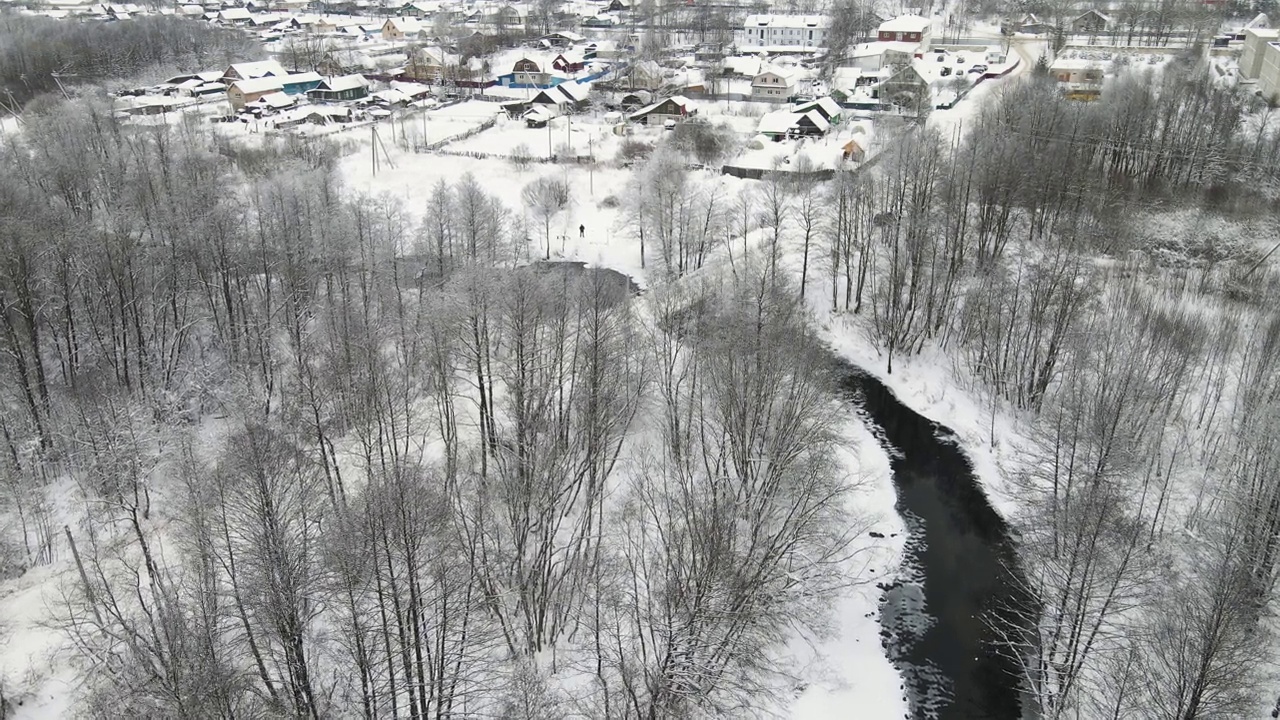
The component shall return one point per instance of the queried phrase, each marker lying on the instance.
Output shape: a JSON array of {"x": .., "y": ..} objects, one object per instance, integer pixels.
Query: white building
[
  {"x": 1269, "y": 76},
  {"x": 802, "y": 32},
  {"x": 1255, "y": 47}
]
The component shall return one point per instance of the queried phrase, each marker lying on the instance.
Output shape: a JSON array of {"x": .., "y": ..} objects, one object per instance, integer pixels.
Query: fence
[
  {"x": 554, "y": 159},
  {"x": 432, "y": 147},
  {"x": 759, "y": 173}
]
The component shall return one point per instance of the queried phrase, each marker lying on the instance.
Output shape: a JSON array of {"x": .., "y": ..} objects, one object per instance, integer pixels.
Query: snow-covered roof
[
  {"x": 1105, "y": 18},
  {"x": 679, "y": 100},
  {"x": 411, "y": 89},
  {"x": 392, "y": 96},
  {"x": 743, "y": 64},
  {"x": 1259, "y": 21},
  {"x": 328, "y": 111},
  {"x": 880, "y": 47},
  {"x": 577, "y": 92},
  {"x": 540, "y": 113},
  {"x": 783, "y": 72},
  {"x": 257, "y": 85},
  {"x": 827, "y": 104},
  {"x": 300, "y": 78},
  {"x": 906, "y": 23},
  {"x": 570, "y": 36},
  {"x": 406, "y": 25},
  {"x": 344, "y": 82},
  {"x": 262, "y": 68},
  {"x": 777, "y": 122},
  {"x": 787, "y": 21},
  {"x": 234, "y": 13},
  {"x": 1073, "y": 63},
  {"x": 275, "y": 100}
]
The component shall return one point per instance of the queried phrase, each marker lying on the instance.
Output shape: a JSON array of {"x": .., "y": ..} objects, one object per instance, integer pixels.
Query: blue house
[{"x": 300, "y": 83}]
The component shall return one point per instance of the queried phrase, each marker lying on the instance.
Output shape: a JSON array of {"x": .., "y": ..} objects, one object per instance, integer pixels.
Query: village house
[
  {"x": 434, "y": 65},
  {"x": 908, "y": 90},
  {"x": 569, "y": 62},
  {"x": 565, "y": 96},
  {"x": 270, "y": 104},
  {"x": 827, "y": 107},
  {"x": 561, "y": 38},
  {"x": 345, "y": 61},
  {"x": 234, "y": 16},
  {"x": 243, "y": 92},
  {"x": 528, "y": 72},
  {"x": 402, "y": 28},
  {"x": 644, "y": 75},
  {"x": 873, "y": 56},
  {"x": 773, "y": 84},
  {"x": 907, "y": 29},
  {"x": 327, "y": 115},
  {"x": 340, "y": 89},
  {"x": 1091, "y": 21},
  {"x": 781, "y": 124},
  {"x": 421, "y": 9},
  {"x": 673, "y": 109},
  {"x": 202, "y": 77},
  {"x": 785, "y": 31},
  {"x": 300, "y": 83},
  {"x": 1078, "y": 78},
  {"x": 1031, "y": 23},
  {"x": 507, "y": 18},
  {"x": 253, "y": 71}
]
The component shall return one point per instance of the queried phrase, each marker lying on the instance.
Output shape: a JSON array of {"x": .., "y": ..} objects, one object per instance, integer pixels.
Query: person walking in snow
[{"x": 582, "y": 231}]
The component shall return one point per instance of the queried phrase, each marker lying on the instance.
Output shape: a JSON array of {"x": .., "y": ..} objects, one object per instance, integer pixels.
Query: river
[
  {"x": 957, "y": 581},
  {"x": 957, "y": 575}
]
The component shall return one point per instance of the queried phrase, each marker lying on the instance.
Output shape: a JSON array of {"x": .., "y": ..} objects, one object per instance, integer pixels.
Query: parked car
[
  {"x": 978, "y": 69},
  {"x": 946, "y": 71}
]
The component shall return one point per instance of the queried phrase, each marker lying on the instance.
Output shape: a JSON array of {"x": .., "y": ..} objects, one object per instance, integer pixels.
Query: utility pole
[{"x": 57, "y": 79}]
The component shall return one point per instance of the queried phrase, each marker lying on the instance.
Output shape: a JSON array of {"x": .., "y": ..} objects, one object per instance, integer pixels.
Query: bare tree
[{"x": 545, "y": 198}]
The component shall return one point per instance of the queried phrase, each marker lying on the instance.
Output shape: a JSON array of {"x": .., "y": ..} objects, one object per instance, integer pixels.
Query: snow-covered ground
[{"x": 847, "y": 670}]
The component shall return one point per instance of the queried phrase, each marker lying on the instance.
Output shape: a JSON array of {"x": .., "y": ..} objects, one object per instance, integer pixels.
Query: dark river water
[{"x": 958, "y": 580}]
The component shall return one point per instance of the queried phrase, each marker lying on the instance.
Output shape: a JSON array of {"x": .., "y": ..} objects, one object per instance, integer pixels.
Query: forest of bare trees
[
  {"x": 33, "y": 50},
  {"x": 310, "y": 455},
  {"x": 1141, "y": 364},
  {"x": 1140, "y": 358},
  {"x": 327, "y": 461}
]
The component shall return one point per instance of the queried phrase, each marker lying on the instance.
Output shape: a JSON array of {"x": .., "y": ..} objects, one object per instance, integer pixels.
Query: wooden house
[{"x": 676, "y": 108}]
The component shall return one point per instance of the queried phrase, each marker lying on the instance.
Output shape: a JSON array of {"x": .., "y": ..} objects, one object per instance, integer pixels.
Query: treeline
[
  {"x": 33, "y": 49},
  {"x": 336, "y": 462}
]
